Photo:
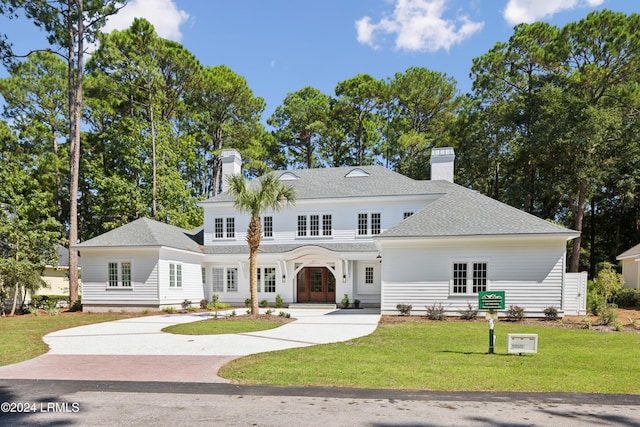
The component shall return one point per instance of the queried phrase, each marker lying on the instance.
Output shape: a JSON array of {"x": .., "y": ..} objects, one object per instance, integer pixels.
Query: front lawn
[
  {"x": 452, "y": 356},
  {"x": 228, "y": 325},
  {"x": 21, "y": 336}
]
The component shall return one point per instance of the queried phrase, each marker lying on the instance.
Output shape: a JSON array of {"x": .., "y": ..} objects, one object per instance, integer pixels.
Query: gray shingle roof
[
  {"x": 145, "y": 232},
  {"x": 464, "y": 212},
  {"x": 630, "y": 253},
  {"x": 325, "y": 183}
]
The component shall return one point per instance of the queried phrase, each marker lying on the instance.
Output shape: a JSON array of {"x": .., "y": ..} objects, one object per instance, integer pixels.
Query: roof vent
[
  {"x": 357, "y": 172},
  {"x": 289, "y": 176}
]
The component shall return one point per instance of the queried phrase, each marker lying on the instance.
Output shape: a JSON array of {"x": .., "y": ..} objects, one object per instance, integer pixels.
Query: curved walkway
[{"x": 136, "y": 349}]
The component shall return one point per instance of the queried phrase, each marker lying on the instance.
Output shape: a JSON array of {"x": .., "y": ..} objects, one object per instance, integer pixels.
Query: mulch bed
[{"x": 629, "y": 320}]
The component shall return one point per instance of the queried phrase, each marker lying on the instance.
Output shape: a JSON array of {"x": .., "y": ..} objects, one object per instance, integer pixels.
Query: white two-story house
[{"x": 366, "y": 232}]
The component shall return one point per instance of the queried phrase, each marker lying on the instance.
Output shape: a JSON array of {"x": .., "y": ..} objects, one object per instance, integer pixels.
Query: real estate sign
[{"x": 491, "y": 300}]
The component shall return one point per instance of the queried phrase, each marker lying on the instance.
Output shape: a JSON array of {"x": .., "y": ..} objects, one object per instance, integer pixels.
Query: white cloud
[
  {"x": 418, "y": 25},
  {"x": 528, "y": 11},
  {"x": 164, "y": 15}
]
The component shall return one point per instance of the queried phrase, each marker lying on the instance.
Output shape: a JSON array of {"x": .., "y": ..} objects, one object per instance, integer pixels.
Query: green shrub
[
  {"x": 285, "y": 315},
  {"x": 608, "y": 315},
  {"x": 356, "y": 303},
  {"x": 404, "y": 309},
  {"x": 43, "y": 301},
  {"x": 264, "y": 303},
  {"x": 145, "y": 311},
  {"x": 186, "y": 304},
  {"x": 345, "y": 301},
  {"x": 34, "y": 310},
  {"x": 233, "y": 314},
  {"x": 169, "y": 309},
  {"x": 268, "y": 312},
  {"x": 595, "y": 302},
  {"x": 551, "y": 313},
  {"x": 247, "y": 302},
  {"x": 436, "y": 312},
  {"x": 628, "y": 298},
  {"x": 515, "y": 313},
  {"x": 468, "y": 313},
  {"x": 278, "y": 301},
  {"x": 204, "y": 303}
]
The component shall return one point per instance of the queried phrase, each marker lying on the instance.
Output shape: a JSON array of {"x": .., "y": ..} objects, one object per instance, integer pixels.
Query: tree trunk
[
  {"x": 253, "y": 239},
  {"x": 577, "y": 225},
  {"x": 74, "y": 81}
]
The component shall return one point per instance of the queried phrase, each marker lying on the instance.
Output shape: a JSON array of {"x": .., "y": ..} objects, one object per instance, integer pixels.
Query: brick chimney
[
  {"x": 231, "y": 165},
  {"x": 442, "y": 163}
]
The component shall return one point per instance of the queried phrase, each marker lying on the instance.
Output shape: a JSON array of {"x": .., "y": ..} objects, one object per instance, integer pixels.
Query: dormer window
[
  {"x": 289, "y": 176},
  {"x": 224, "y": 227},
  {"x": 355, "y": 173}
]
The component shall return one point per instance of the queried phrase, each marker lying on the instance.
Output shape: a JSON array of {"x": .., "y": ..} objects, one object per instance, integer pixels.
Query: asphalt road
[{"x": 120, "y": 403}]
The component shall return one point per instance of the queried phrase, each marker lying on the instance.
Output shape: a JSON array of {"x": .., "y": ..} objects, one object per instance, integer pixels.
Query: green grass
[
  {"x": 21, "y": 336},
  {"x": 452, "y": 356},
  {"x": 222, "y": 326}
]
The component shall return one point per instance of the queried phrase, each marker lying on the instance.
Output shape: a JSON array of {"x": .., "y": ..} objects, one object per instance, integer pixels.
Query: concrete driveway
[{"x": 136, "y": 349}]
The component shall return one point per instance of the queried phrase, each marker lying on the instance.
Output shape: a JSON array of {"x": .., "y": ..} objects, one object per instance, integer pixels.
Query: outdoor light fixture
[
  {"x": 284, "y": 278},
  {"x": 344, "y": 278}
]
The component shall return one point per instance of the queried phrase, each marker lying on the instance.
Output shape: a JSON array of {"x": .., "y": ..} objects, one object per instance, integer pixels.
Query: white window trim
[
  {"x": 225, "y": 228},
  {"x": 119, "y": 263},
  {"x": 469, "y": 282},
  {"x": 320, "y": 226},
  {"x": 369, "y": 219},
  {"x": 178, "y": 284},
  {"x": 225, "y": 274},
  {"x": 262, "y": 276}
]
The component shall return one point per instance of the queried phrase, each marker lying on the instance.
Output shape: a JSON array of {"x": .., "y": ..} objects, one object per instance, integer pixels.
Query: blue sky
[{"x": 281, "y": 46}]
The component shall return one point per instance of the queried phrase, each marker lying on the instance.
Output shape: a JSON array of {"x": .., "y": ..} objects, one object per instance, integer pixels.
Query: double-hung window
[
  {"x": 267, "y": 279},
  {"x": 314, "y": 225},
  {"x": 469, "y": 278},
  {"x": 267, "y": 226},
  {"x": 119, "y": 274},
  {"x": 369, "y": 224},
  {"x": 232, "y": 279},
  {"x": 175, "y": 275},
  {"x": 224, "y": 228},
  {"x": 327, "y": 226}
]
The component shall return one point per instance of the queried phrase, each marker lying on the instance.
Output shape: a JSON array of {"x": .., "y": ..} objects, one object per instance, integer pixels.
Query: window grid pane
[
  {"x": 407, "y": 214},
  {"x": 315, "y": 225},
  {"x": 459, "y": 278},
  {"x": 368, "y": 275},
  {"x": 375, "y": 223},
  {"x": 113, "y": 274},
  {"x": 218, "y": 228},
  {"x": 479, "y": 277},
  {"x": 302, "y": 225},
  {"x": 218, "y": 280},
  {"x": 179, "y": 275},
  {"x": 126, "y": 274},
  {"x": 172, "y": 275},
  {"x": 362, "y": 224},
  {"x": 326, "y": 225},
  {"x": 231, "y": 228},
  {"x": 232, "y": 280},
  {"x": 267, "y": 228},
  {"x": 259, "y": 272},
  {"x": 270, "y": 279}
]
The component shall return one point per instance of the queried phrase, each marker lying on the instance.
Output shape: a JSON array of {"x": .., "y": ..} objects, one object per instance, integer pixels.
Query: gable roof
[
  {"x": 347, "y": 182},
  {"x": 634, "y": 252},
  {"x": 464, "y": 212},
  {"x": 145, "y": 232}
]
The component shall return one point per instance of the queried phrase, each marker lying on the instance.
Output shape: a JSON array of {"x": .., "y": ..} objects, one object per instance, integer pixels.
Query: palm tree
[{"x": 271, "y": 194}]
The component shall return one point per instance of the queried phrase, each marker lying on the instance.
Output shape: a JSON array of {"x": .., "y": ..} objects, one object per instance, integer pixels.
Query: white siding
[
  {"x": 630, "y": 269},
  {"x": 344, "y": 214},
  {"x": 144, "y": 289},
  {"x": 191, "y": 288},
  {"x": 149, "y": 287},
  {"x": 530, "y": 271}
]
